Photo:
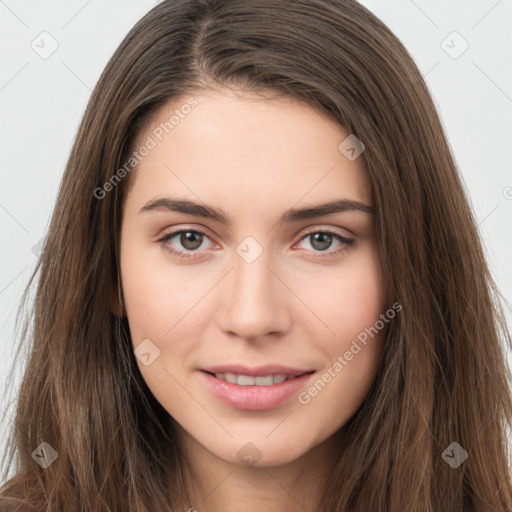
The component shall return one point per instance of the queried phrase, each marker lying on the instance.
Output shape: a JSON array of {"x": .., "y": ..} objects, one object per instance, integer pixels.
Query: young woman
[{"x": 262, "y": 287}]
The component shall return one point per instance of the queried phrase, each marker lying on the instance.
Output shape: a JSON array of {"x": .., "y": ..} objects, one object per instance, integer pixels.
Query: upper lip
[{"x": 256, "y": 371}]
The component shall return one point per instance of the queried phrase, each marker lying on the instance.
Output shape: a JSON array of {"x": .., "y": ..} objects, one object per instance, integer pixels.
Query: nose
[{"x": 255, "y": 302}]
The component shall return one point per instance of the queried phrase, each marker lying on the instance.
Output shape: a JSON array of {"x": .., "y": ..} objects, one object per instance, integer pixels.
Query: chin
[{"x": 260, "y": 452}]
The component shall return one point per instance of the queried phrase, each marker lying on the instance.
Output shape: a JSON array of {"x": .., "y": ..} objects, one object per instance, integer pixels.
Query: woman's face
[{"x": 222, "y": 274}]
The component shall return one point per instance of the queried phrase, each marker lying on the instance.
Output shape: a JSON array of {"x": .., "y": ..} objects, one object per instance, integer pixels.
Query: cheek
[
  {"x": 353, "y": 304},
  {"x": 155, "y": 296},
  {"x": 360, "y": 330},
  {"x": 162, "y": 301},
  {"x": 146, "y": 304},
  {"x": 350, "y": 299},
  {"x": 155, "y": 301}
]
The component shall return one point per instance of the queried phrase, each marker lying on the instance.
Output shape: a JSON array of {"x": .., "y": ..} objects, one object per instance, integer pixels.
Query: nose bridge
[
  {"x": 250, "y": 272},
  {"x": 252, "y": 280},
  {"x": 253, "y": 306},
  {"x": 251, "y": 275}
]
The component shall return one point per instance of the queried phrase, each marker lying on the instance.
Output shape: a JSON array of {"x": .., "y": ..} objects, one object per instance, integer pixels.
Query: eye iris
[
  {"x": 325, "y": 240},
  {"x": 188, "y": 236}
]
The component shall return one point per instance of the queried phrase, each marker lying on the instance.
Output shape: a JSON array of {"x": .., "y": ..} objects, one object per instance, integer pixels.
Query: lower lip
[{"x": 255, "y": 398}]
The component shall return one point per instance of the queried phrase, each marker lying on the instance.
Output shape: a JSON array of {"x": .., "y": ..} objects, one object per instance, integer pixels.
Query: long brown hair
[{"x": 443, "y": 377}]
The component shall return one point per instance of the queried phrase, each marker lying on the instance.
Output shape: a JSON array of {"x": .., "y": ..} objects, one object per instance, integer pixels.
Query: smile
[
  {"x": 254, "y": 392},
  {"x": 250, "y": 380}
]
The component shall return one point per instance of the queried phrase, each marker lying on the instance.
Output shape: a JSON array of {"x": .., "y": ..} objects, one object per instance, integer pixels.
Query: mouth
[
  {"x": 251, "y": 380},
  {"x": 265, "y": 389}
]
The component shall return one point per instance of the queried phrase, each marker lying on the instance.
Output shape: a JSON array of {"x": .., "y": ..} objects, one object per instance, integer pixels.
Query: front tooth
[
  {"x": 245, "y": 380},
  {"x": 264, "y": 381},
  {"x": 248, "y": 380}
]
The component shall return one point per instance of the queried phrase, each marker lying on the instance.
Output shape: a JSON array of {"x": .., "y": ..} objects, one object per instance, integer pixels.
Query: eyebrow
[{"x": 288, "y": 217}]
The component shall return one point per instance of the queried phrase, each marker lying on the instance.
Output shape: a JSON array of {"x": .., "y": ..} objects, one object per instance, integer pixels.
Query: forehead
[{"x": 247, "y": 149}]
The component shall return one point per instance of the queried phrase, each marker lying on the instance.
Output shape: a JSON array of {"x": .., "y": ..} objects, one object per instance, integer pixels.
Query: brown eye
[
  {"x": 321, "y": 241},
  {"x": 191, "y": 240},
  {"x": 188, "y": 239}
]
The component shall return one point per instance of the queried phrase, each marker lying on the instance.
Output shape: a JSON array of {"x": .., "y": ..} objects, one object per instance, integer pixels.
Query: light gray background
[{"x": 42, "y": 101}]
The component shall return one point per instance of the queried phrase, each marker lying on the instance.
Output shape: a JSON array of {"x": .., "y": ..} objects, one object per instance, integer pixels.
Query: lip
[{"x": 255, "y": 398}]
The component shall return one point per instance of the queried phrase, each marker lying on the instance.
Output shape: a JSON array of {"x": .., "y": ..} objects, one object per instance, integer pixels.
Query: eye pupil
[{"x": 325, "y": 241}]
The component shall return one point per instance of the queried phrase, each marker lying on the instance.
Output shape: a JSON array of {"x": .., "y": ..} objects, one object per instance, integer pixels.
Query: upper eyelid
[
  {"x": 176, "y": 231},
  {"x": 315, "y": 229}
]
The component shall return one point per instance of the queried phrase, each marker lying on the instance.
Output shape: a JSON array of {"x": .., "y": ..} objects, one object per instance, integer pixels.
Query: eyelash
[{"x": 346, "y": 242}]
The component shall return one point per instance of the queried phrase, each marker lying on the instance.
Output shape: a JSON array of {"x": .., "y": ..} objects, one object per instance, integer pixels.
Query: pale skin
[{"x": 296, "y": 304}]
